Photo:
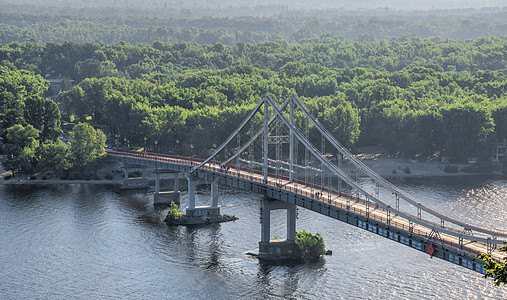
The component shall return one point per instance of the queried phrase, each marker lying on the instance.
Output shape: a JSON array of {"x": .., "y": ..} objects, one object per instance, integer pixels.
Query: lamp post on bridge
[
  {"x": 156, "y": 145},
  {"x": 177, "y": 147},
  {"x": 145, "y": 145}
]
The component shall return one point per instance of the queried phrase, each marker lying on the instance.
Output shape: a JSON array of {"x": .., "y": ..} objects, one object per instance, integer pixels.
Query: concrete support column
[
  {"x": 191, "y": 193},
  {"x": 291, "y": 222},
  {"x": 177, "y": 182},
  {"x": 125, "y": 173},
  {"x": 276, "y": 250},
  {"x": 157, "y": 183},
  {"x": 214, "y": 194},
  {"x": 265, "y": 221},
  {"x": 267, "y": 206}
]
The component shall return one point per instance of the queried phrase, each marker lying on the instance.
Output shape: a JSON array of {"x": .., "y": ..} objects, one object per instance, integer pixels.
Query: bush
[
  {"x": 44, "y": 178},
  {"x": 7, "y": 177},
  {"x": 451, "y": 169},
  {"x": 109, "y": 177},
  {"x": 311, "y": 246},
  {"x": 406, "y": 170},
  {"x": 174, "y": 213}
]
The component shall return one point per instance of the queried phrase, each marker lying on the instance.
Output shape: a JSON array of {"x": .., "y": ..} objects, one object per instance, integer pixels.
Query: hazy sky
[{"x": 294, "y": 4}]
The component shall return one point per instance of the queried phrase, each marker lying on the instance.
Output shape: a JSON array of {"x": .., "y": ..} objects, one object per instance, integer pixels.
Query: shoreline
[
  {"x": 14, "y": 182},
  {"x": 388, "y": 168}
]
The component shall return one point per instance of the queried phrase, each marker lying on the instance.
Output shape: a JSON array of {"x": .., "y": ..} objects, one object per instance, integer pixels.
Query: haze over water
[{"x": 89, "y": 242}]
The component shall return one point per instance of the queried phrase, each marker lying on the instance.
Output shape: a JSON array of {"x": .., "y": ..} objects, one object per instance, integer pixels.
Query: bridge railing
[{"x": 301, "y": 187}]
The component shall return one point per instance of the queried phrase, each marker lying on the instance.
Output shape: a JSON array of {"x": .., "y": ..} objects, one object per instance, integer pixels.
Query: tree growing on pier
[
  {"x": 174, "y": 214},
  {"x": 311, "y": 246}
]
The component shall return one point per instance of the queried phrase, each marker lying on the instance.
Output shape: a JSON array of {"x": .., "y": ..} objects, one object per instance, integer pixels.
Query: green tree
[
  {"x": 16, "y": 86},
  {"x": 87, "y": 145},
  {"x": 173, "y": 214},
  {"x": 311, "y": 246},
  {"x": 500, "y": 117},
  {"x": 21, "y": 146},
  {"x": 54, "y": 156},
  {"x": 467, "y": 128},
  {"x": 337, "y": 116},
  {"x": 44, "y": 115},
  {"x": 494, "y": 269}
]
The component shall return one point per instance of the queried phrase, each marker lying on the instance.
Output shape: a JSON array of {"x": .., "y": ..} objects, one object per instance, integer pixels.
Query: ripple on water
[{"x": 90, "y": 242}]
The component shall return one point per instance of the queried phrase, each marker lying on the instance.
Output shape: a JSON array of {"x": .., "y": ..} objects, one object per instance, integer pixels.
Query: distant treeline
[
  {"x": 231, "y": 8},
  {"x": 85, "y": 60},
  {"x": 104, "y": 26},
  {"x": 416, "y": 97}
]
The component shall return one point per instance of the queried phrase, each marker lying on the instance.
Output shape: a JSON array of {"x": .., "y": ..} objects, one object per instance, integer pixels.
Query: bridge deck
[
  {"x": 359, "y": 206},
  {"x": 334, "y": 198}
]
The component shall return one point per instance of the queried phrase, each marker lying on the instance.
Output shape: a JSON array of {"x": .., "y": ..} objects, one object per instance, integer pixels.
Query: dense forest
[
  {"x": 404, "y": 80},
  {"x": 415, "y": 96},
  {"x": 116, "y": 25}
]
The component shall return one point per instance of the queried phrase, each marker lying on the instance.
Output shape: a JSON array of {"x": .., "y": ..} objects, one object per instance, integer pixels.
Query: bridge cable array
[{"x": 263, "y": 152}]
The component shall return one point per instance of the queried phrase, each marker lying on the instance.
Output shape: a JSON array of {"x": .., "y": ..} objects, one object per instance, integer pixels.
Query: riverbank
[
  {"x": 380, "y": 162},
  {"x": 107, "y": 174},
  {"x": 391, "y": 168}
]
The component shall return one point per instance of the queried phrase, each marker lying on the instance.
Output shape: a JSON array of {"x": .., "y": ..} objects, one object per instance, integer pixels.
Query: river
[{"x": 91, "y": 242}]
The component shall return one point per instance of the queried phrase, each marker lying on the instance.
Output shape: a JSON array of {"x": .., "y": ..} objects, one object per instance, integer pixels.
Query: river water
[{"x": 91, "y": 242}]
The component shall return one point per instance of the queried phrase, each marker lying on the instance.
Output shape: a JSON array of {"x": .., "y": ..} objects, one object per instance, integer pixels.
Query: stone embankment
[{"x": 199, "y": 220}]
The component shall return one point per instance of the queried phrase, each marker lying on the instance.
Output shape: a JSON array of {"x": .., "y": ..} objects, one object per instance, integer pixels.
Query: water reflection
[{"x": 286, "y": 280}]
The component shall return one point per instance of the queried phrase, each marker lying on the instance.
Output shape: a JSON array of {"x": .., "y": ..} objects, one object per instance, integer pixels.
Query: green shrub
[
  {"x": 109, "y": 177},
  {"x": 451, "y": 169},
  {"x": 406, "y": 170},
  {"x": 174, "y": 213},
  {"x": 311, "y": 246}
]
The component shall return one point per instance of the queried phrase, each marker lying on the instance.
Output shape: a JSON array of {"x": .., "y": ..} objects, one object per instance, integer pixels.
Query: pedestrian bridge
[{"x": 284, "y": 158}]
